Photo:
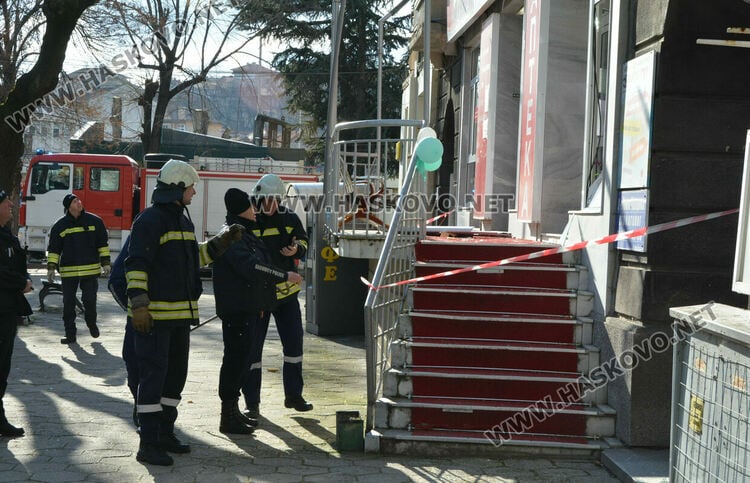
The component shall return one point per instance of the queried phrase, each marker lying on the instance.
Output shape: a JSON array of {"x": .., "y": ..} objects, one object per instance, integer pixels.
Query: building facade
[{"x": 593, "y": 117}]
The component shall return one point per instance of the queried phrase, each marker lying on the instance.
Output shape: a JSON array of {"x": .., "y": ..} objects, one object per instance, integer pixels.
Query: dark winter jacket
[
  {"x": 78, "y": 245},
  {"x": 277, "y": 232},
  {"x": 244, "y": 278},
  {"x": 164, "y": 261},
  {"x": 13, "y": 276}
]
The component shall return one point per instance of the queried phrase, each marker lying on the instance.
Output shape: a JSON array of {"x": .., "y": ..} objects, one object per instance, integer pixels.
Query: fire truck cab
[{"x": 110, "y": 183}]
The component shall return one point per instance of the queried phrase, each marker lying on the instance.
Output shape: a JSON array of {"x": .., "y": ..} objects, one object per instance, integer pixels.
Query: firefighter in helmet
[
  {"x": 282, "y": 232},
  {"x": 163, "y": 286}
]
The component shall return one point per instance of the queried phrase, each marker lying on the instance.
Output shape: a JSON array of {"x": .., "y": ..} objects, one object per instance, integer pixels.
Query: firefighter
[
  {"x": 78, "y": 250},
  {"x": 245, "y": 288},
  {"x": 163, "y": 286},
  {"x": 282, "y": 232},
  {"x": 14, "y": 282}
]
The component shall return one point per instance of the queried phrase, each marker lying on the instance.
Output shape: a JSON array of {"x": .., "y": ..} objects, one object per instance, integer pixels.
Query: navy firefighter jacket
[
  {"x": 13, "y": 277},
  {"x": 244, "y": 278},
  {"x": 78, "y": 245},
  {"x": 277, "y": 231},
  {"x": 164, "y": 262}
]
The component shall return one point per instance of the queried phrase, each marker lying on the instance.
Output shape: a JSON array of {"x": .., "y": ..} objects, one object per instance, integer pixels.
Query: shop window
[
  {"x": 473, "y": 125},
  {"x": 597, "y": 118}
]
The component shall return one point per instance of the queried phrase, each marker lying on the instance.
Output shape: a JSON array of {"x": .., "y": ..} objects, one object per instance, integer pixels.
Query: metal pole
[
  {"x": 427, "y": 62},
  {"x": 337, "y": 21},
  {"x": 381, "y": 22}
]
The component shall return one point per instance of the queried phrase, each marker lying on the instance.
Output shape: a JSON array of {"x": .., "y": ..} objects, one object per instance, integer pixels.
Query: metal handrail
[
  {"x": 365, "y": 155},
  {"x": 384, "y": 306}
]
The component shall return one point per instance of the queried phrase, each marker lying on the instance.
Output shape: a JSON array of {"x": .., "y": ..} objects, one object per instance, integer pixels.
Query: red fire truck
[{"x": 116, "y": 188}]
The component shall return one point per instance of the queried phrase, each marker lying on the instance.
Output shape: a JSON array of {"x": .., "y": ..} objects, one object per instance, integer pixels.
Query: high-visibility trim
[
  {"x": 168, "y": 401},
  {"x": 205, "y": 257},
  {"x": 256, "y": 365},
  {"x": 80, "y": 270},
  {"x": 76, "y": 229},
  {"x": 289, "y": 229},
  {"x": 104, "y": 251},
  {"x": 270, "y": 232},
  {"x": 181, "y": 310},
  {"x": 176, "y": 235},
  {"x": 53, "y": 257},
  {"x": 292, "y": 360},
  {"x": 149, "y": 408},
  {"x": 174, "y": 314},
  {"x": 256, "y": 232},
  {"x": 285, "y": 289},
  {"x": 180, "y": 305},
  {"x": 303, "y": 243},
  {"x": 137, "y": 279}
]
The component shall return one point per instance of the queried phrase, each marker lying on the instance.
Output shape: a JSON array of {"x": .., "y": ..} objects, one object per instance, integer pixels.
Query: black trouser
[
  {"x": 162, "y": 356},
  {"x": 129, "y": 357},
  {"x": 89, "y": 287},
  {"x": 288, "y": 318},
  {"x": 8, "y": 329},
  {"x": 237, "y": 332}
]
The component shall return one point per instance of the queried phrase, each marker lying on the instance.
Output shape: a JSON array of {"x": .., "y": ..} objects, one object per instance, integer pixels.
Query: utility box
[
  {"x": 710, "y": 436},
  {"x": 336, "y": 297}
]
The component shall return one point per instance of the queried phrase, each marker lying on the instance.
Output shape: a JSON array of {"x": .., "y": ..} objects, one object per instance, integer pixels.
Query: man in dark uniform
[
  {"x": 245, "y": 288},
  {"x": 282, "y": 232},
  {"x": 78, "y": 249},
  {"x": 163, "y": 286},
  {"x": 14, "y": 282}
]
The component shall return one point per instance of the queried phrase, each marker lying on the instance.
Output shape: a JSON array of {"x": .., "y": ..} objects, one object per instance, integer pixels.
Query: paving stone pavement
[{"x": 76, "y": 409}]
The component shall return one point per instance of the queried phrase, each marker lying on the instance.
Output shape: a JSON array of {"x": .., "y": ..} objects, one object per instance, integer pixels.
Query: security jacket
[
  {"x": 164, "y": 263},
  {"x": 244, "y": 279},
  {"x": 13, "y": 276},
  {"x": 78, "y": 245},
  {"x": 277, "y": 232}
]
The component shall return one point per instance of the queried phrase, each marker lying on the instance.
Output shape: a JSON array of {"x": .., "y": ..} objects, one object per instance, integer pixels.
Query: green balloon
[{"x": 429, "y": 152}]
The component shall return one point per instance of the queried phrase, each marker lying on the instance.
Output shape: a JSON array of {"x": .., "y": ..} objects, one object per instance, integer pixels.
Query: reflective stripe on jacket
[
  {"x": 164, "y": 262},
  {"x": 276, "y": 232},
  {"x": 78, "y": 245}
]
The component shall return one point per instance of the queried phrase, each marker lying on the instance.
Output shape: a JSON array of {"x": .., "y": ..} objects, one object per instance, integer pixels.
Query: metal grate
[{"x": 710, "y": 411}]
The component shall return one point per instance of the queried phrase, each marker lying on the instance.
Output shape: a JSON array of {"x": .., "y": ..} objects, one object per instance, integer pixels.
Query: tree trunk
[{"x": 17, "y": 109}]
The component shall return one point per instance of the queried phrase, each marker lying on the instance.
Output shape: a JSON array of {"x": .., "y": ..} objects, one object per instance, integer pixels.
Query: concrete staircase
[{"x": 482, "y": 348}]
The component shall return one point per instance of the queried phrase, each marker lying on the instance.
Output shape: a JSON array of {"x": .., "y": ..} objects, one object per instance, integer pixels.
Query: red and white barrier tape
[
  {"x": 638, "y": 232},
  {"x": 436, "y": 218}
]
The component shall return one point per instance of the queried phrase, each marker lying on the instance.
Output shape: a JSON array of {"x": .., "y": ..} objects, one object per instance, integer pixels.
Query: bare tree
[
  {"x": 35, "y": 37},
  {"x": 177, "y": 43}
]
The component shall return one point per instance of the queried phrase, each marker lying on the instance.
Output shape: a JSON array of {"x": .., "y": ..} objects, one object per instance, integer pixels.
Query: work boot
[
  {"x": 253, "y": 412},
  {"x": 152, "y": 454},
  {"x": 169, "y": 442},
  {"x": 298, "y": 403},
  {"x": 93, "y": 330},
  {"x": 232, "y": 420},
  {"x": 68, "y": 339}
]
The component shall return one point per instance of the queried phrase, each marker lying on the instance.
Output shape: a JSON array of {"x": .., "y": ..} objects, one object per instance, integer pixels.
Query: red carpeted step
[
  {"x": 537, "y": 423},
  {"x": 493, "y": 299},
  {"x": 478, "y": 248},
  {"x": 514, "y": 275},
  {"x": 493, "y": 384},
  {"x": 494, "y": 354},
  {"x": 479, "y": 436},
  {"x": 490, "y": 325}
]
